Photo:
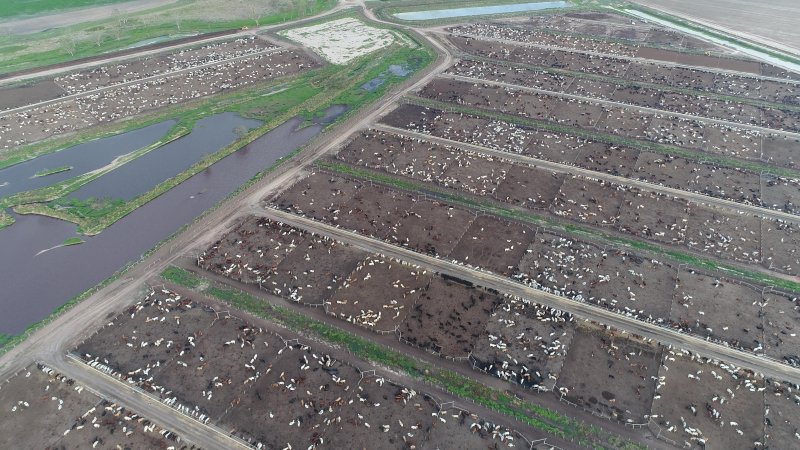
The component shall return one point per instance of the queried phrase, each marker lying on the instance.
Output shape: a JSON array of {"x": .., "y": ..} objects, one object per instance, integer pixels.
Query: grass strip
[
  {"x": 526, "y": 412},
  {"x": 649, "y": 146},
  {"x": 46, "y": 172},
  {"x": 72, "y": 241},
  {"x": 494, "y": 208}
]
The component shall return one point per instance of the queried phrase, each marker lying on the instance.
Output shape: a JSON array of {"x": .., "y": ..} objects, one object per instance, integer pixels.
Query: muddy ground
[
  {"x": 698, "y": 400},
  {"x": 622, "y": 382}
]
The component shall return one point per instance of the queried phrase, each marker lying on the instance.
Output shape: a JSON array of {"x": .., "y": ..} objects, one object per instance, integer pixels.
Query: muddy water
[
  {"x": 33, "y": 286},
  {"x": 146, "y": 172},
  {"x": 83, "y": 158}
]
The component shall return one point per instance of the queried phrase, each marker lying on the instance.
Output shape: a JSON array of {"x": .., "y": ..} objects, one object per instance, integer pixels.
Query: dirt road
[{"x": 65, "y": 18}]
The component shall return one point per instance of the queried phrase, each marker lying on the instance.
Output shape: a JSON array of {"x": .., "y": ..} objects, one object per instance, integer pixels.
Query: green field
[{"x": 12, "y": 8}]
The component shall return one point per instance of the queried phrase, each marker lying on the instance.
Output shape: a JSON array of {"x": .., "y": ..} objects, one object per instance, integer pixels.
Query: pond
[
  {"x": 145, "y": 172},
  {"x": 82, "y": 158},
  {"x": 33, "y": 286},
  {"x": 480, "y": 10}
]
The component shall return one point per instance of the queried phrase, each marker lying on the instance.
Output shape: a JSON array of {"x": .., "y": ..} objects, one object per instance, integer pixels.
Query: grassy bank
[
  {"x": 72, "y": 241},
  {"x": 501, "y": 210},
  {"x": 46, "y": 172},
  {"x": 5, "y": 219},
  {"x": 548, "y": 421},
  {"x": 695, "y": 155}
]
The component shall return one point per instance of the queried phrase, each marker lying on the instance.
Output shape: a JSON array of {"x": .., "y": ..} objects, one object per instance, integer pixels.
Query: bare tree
[
  {"x": 68, "y": 43},
  {"x": 178, "y": 20},
  {"x": 255, "y": 12},
  {"x": 99, "y": 37}
]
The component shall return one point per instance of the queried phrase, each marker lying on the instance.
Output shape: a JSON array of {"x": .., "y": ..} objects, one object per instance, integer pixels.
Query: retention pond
[{"x": 35, "y": 285}]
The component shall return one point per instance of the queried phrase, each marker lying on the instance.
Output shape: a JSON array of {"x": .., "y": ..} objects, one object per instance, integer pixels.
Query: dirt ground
[
  {"x": 525, "y": 343},
  {"x": 781, "y": 326},
  {"x": 530, "y": 187},
  {"x": 314, "y": 271},
  {"x": 589, "y": 201},
  {"x": 699, "y": 400},
  {"x": 622, "y": 381},
  {"x": 252, "y": 250},
  {"x": 43, "y": 409},
  {"x": 432, "y": 227},
  {"x": 781, "y": 417},
  {"x": 378, "y": 294},
  {"x": 718, "y": 308},
  {"x": 634, "y": 284},
  {"x": 112, "y": 426},
  {"x": 221, "y": 367},
  {"x": 724, "y": 234},
  {"x": 294, "y": 402},
  {"x": 654, "y": 216},
  {"x": 480, "y": 246},
  {"x": 13, "y": 97},
  {"x": 450, "y": 431},
  {"x": 52, "y": 406},
  {"x": 780, "y": 245},
  {"x": 561, "y": 265},
  {"x": 140, "y": 341},
  {"x": 383, "y": 415},
  {"x": 449, "y": 317}
]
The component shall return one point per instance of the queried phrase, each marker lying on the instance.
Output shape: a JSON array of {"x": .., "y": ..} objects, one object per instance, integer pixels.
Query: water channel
[
  {"x": 480, "y": 10},
  {"x": 82, "y": 158},
  {"x": 35, "y": 285}
]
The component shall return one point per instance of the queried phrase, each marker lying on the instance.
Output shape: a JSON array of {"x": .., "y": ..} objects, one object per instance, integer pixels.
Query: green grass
[
  {"x": 546, "y": 420},
  {"x": 5, "y": 219},
  {"x": 12, "y": 8},
  {"x": 651, "y": 146},
  {"x": 72, "y": 241},
  {"x": 116, "y": 36},
  {"x": 500, "y": 210},
  {"x": 46, "y": 172}
]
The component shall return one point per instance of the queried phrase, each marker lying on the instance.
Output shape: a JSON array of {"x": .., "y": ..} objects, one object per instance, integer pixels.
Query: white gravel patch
[{"x": 340, "y": 41}]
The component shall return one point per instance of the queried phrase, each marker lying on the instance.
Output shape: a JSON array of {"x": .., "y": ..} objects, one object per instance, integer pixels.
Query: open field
[
  {"x": 772, "y": 22},
  {"x": 71, "y": 38}
]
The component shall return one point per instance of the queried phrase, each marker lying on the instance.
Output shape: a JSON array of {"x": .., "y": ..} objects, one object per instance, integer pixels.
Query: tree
[
  {"x": 68, "y": 43},
  {"x": 178, "y": 20},
  {"x": 240, "y": 131},
  {"x": 99, "y": 37},
  {"x": 255, "y": 12}
]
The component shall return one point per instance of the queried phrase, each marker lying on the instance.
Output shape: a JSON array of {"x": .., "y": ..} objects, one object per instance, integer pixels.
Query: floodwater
[
  {"x": 145, "y": 172},
  {"x": 33, "y": 286},
  {"x": 394, "y": 69},
  {"x": 83, "y": 158},
  {"x": 480, "y": 10}
]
